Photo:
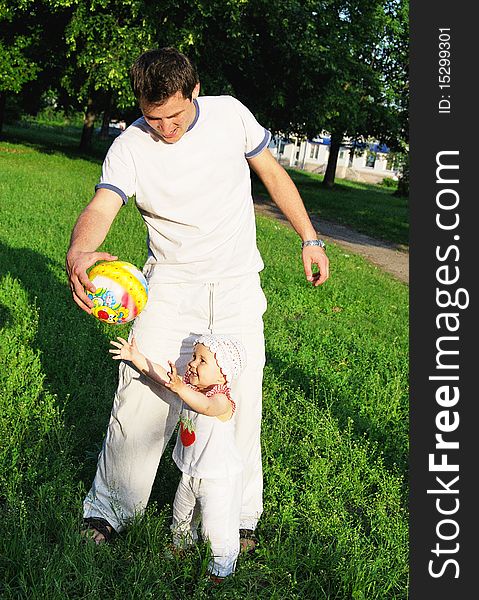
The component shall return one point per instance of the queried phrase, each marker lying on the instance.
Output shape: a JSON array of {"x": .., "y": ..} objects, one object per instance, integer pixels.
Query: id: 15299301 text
[{"x": 444, "y": 70}]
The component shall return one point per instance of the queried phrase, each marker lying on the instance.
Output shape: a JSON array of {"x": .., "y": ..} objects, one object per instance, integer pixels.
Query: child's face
[{"x": 203, "y": 368}]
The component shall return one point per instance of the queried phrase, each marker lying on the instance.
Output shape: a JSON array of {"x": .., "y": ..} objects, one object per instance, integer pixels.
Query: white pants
[
  {"x": 216, "y": 503},
  {"x": 144, "y": 414}
]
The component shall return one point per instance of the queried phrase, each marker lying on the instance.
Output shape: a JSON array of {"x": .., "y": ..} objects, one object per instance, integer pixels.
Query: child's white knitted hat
[{"x": 229, "y": 352}]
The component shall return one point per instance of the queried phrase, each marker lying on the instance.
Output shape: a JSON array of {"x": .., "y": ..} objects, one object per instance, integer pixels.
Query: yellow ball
[{"x": 121, "y": 291}]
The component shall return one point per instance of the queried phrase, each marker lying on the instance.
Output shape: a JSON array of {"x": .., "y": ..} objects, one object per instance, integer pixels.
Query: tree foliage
[
  {"x": 31, "y": 47},
  {"x": 302, "y": 66},
  {"x": 103, "y": 38},
  {"x": 16, "y": 66},
  {"x": 364, "y": 98}
]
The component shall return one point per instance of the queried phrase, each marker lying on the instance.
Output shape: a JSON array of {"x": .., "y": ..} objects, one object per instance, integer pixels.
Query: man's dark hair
[{"x": 157, "y": 75}]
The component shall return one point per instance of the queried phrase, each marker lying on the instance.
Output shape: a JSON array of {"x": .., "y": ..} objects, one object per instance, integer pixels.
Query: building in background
[{"x": 358, "y": 161}]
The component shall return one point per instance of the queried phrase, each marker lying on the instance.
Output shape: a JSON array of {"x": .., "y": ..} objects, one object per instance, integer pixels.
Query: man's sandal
[
  {"x": 248, "y": 541},
  {"x": 92, "y": 525}
]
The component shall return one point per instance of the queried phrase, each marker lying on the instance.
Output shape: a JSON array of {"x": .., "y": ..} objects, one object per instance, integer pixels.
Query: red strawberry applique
[{"x": 187, "y": 431}]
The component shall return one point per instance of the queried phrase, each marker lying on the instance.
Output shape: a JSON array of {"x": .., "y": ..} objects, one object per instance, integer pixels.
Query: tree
[
  {"x": 103, "y": 39},
  {"x": 396, "y": 72},
  {"x": 16, "y": 39},
  {"x": 367, "y": 96},
  {"x": 208, "y": 32},
  {"x": 32, "y": 48},
  {"x": 304, "y": 66},
  {"x": 268, "y": 55}
]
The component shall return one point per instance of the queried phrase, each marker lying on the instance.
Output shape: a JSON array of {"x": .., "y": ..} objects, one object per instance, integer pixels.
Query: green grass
[
  {"x": 334, "y": 420},
  {"x": 371, "y": 209},
  {"x": 54, "y": 138}
]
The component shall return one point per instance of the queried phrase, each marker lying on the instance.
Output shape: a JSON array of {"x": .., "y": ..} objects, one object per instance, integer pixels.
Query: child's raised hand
[
  {"x": 175, "y": 381},
  {"x": 123, "y": 350}
]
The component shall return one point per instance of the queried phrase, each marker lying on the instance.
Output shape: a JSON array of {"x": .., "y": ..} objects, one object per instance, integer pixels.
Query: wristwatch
[{"x": 319, "y": 243}]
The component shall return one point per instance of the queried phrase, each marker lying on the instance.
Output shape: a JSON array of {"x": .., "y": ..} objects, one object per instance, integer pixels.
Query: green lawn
[
  {"x": 371, "y": 209},
  {"x": 335, "y": 420}
]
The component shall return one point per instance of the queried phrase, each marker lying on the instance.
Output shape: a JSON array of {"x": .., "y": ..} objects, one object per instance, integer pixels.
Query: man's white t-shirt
[{"x": 195, "y": 194}]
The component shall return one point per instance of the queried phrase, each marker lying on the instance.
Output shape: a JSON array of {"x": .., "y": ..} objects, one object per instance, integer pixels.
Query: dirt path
[{"x": 392, "y": 258}]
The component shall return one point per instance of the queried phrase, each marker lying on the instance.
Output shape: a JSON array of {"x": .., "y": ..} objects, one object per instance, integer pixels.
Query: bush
[
  {"x": 53, "y": 117},
  {"x": 389, "y": 182}
]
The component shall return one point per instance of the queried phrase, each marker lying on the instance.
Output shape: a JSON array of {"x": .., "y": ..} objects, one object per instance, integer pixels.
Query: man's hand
[
  {"x": 285, "y": 195},
  {"x": 77, "y": 264},
  {"x": 315, "y": 255},
  {"x": 89, "y": 233}
]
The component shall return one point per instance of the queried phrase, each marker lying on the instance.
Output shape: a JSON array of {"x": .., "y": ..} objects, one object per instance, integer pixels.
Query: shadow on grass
[
  {"x": 5, "y": 316},
  {"x": 390, "y": 443},
  {"x": 75, "y": 360},
  {"x": 55, "y": 140}
]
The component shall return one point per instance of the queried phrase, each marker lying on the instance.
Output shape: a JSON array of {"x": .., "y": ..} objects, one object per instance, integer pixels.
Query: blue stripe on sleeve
[
  {"x": 258, "y": 149},
  {"x": 113, "y": 188}
]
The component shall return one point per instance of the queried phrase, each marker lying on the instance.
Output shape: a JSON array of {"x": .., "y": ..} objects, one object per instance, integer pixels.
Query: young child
[{"x": 210, "y": 489}]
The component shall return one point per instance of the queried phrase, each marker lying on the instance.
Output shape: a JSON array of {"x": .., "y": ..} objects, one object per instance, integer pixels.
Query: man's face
[{"x": 172, "y": 118}]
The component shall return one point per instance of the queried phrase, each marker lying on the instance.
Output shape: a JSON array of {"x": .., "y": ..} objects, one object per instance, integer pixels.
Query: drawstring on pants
[{"x": 211, "y": 288}]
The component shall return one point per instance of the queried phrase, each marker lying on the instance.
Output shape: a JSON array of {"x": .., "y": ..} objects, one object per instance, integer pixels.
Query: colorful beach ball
[{"x": 121, "y": 291}]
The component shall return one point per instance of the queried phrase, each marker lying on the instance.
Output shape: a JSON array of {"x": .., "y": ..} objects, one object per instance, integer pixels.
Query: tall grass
[{"x": 334, "y": 434}]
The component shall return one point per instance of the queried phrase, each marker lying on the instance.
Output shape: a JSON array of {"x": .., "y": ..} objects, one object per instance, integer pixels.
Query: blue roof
[
  {"x": 326, "y": 141},
  {"x": 379, "y": 148}
]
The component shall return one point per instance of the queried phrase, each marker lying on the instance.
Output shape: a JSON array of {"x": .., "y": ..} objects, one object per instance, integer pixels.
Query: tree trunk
[
  {"x": 3, "y": 100},
  {"x": 403, "y": 183},
  {"x": 351, "y": 154},
  {"x": 105, "y": 125},
  {"x": 304, "y": 153},
  {"x": 88, "y": 122},
  {"x": 330, "y": 174}
]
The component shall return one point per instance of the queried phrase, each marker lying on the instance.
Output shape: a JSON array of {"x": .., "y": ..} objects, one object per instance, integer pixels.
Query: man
[{"x": 187, "y": 163}]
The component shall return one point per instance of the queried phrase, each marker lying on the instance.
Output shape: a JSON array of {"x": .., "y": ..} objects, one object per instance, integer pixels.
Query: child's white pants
[
  {"x": 216, "y": 503},
  {"x": 144, "y": 414}
]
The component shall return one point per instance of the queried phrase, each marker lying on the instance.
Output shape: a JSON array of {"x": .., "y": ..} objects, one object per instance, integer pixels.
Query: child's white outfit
[{"x": 210, "y": 489}]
